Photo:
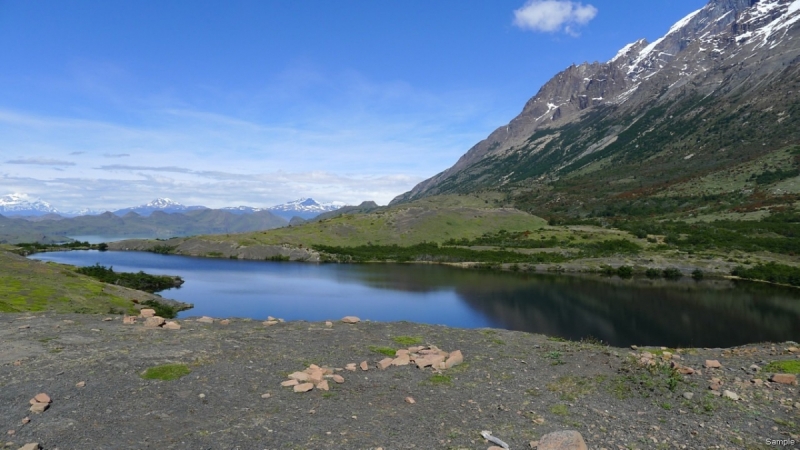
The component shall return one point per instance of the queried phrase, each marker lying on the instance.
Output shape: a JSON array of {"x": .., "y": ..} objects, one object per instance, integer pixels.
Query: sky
[{"x": 107, "y": 104}]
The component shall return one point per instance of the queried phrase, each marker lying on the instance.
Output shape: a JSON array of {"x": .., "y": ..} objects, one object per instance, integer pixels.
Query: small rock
[
  {"x": 364, "y": 366},
  {"x": 754, "y": 368},
  {"x": 712, "y": 364},
  {"x": 384, "y": 363},
  {"x": 26, "y": 420},
  {"x": 300, "y": 376},
  {"x": 338, "y": 378},
  {"x": 38, "y": 408},
  {"x": 634, "y": 347},
  {"x": 10, "y": 432},
  {"x": 792, "y": 349},
  {"x": 757, "y": 381},
  {"x": 154, "y": 322},
  {"x": 562, "y": 440},
  {"x": 147, "y": 312},
  {"x": 350, "y": 319},
  {"x": 714, "y": 386},
  {"x": 328, "y": 324},
  {"x": 80, "y": 384},
  {"x": 30, "y": 446},
  {"x": 205, "y": 319},
  {"x": 401, "y": 352},
  {"x": 454, "y": 359},
  {"x": 410, "y": 400},
  {"x": 688, "y": 395},
  {"x": 18, "y": 362},
  {"x": 288, "y": 383},
  {"x": 266, "y": 395},
  {"x": 42, "y": 398},
  {"x": 731, "y": 395},
  {"x": 323, "y": 385},
  {"x": 202, "y": 395},
  {"x": 351, "y": 367},
  {"x": 129, "y": 320},
  {"x": 225, "y": 322},
  {"x": 108, "y": 319},
  {"x": 305, "y": 387},
  {"x": 784, "y": 378},
  {"x": 23, "y": 327},
  {"x": 401, "y": 360},
  {"x": 269, "y": 323},
  {"x": 172, "y": 325}
]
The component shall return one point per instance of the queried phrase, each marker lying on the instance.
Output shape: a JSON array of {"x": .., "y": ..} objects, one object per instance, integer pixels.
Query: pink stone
[
  {"x": 171, "y": 325},
  {"x": 712, "y": 364},
  {"x": 562, "y": 440},
  {"x": 205, "y": 319},
  {"x": 401, "y": 352},
  {"x": 323, "y": 385},
  {"x": 154, "y": 322},
  {"x": 38, "y": 408},
  {"x": 225, "y": 322},
  {"x": 147, "y": 312},
  {"x": 455, "y": 359},
  {"x": 300, "y": 376},
  {"x": 350, "y": 319},
  {"x": 288, "y": 383},
  {"x": 305, "y": 387},
  {"x": 351, "y": 367},
  {"x": 401, "y": 360},
  {"x": 784, "y": 378},
  {"x": 410, "y": 400},
  {"x": 384, "y": 363},
  {"x": 338, "y": 378},
  {"x": 129, "y": 320},
  {"x": 42, "y": 398},
  {"x": 364, "y": 366}
]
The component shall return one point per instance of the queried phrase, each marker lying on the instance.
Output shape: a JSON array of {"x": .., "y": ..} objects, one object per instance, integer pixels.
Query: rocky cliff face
[{"x": 720, "y": 50}]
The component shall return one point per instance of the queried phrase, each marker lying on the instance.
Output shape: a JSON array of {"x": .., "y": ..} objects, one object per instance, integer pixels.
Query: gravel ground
[{"x": 519, "y": 386}]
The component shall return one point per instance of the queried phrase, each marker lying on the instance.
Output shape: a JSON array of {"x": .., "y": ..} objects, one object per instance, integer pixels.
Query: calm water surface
[{"x": 620, "y": 312}]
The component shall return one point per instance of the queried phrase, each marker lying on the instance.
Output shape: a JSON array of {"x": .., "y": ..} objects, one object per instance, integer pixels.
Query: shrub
[
  {"x": 625, "y": 271},
  {"x": 698, "y": 274},
  {"x": 672, "y": 273},
  {"x": 652, "y": 273}
]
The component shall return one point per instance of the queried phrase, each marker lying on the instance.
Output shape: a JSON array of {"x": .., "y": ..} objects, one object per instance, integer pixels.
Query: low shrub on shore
[{"x": 140, "y": 281}]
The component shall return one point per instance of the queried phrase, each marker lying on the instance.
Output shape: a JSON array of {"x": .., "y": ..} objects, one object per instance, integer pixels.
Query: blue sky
[{"x": 106, "y": 104}]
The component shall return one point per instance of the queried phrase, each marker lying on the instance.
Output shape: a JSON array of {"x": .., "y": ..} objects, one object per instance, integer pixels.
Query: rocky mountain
[
  {"x": 720, "y": 90},
  {"x": 304, "y": 208},
  {"x": 23, "y": 205},
  {"x": 160, "y": 204}
]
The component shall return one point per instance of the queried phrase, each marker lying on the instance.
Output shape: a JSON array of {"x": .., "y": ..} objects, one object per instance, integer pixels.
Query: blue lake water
[{"x": 620, "y": 312}]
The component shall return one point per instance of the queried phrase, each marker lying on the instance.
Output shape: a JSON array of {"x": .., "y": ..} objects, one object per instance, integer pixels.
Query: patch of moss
[
  {"x": 166, "y": 372},
  {"x": 783, "y": 367},
  {"x": 388, "y": 351},
  {"x": 408, "y": 340},
  {"x": 440, "y": 379}
]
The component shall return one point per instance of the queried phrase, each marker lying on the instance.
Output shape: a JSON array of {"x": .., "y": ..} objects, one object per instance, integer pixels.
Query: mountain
[
  {"x": 160, "y": 204},
  {"x": 364, "y": 208},
  {"x": 22, "y": 205},
  {"x": 305, "y": 208},
  {"x": 703, "y": 111}
]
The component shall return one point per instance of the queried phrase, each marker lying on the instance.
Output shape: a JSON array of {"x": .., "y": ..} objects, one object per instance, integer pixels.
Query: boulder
[
  {"x": 147, "y": 312},
  {"x": 350, "y": 319},
  {"x": 225, "y": 322},
  {"x": 562, "y": 440},
  {"x": 172, "y": 325},
  {"x": 712, "y": 364},
  {"x": 128, "y": 320},
  {"x": 784, "y": 378},
  {"x": 154, "y": 322}
]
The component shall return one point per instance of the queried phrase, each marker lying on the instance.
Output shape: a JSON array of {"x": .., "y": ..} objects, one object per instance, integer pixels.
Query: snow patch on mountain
[{"x": 18, "y": 204}]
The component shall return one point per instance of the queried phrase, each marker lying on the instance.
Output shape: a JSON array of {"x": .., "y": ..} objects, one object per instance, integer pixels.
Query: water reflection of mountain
[{"x": 676, "y": 314}]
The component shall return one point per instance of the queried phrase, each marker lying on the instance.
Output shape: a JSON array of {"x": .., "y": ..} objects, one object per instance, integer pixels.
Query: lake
[{"x": 686, "y": 313}]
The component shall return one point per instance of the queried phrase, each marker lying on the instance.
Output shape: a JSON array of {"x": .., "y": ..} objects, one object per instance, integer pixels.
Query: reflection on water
[{"x": 712, "y": 313}]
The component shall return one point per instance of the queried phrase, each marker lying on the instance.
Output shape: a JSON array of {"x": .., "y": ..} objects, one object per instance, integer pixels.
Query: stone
[
  {"x": 712, "y": 364},
  {"x": 154, "y": 322},
  {"x": 147, "y": 312},
  {"x": 688, "y": 395},
  {"x": 454, "y": 359},
  {"x": 205, "y": 319},
  {"x": 80, "y": 384},
  {"x": 384, "y": 363},
  {"x": 338, "y": 378},
  {"x": 401, "y": 360},
  {"x": 315, "y": 376},
  {"x": 755, "y": 368},
  {"x": 350, "y": 319},
  {"x": 430, "y": 360},
  {"x": 714, "y": 386},
  {"x": 11, "y": 432},
  {"x": 108, "y": 319},
  {"x": 25, "y": 420},
  {"x": 731, "y": 395},
  {"x": 351, "y": 367},
  {"x": 305, "y": 387},
  {"x": 494, "y": 447},
  {"x": 328, "y": 323},
  {"x": 129, "y": 320},
  {"x": 364, "y": 366},
  {"x": 42, "y": 398},
  {"x": 172, "y": 325},
  {"x": 410, "y": 400},
  {"x": 30, "y": 446},
  {"x": 401, "y": 352},
  {"x": 414, "y": 349},
  {"x": 225, "y": 322},
  {"x": 269, "y": 323},
  {"x": 38, "y": 408},
  {"x": 792, "y": 349},
  {"x": 291, "y": 382},
  {"x": 685, "y": 370},
  {"x": 784, "y": 378},
  {"x": 300, "y": 376},
  {"x": 757, "y": 381},
  {"x": 266, "y": 395},
  {"x": 323, "y": 385},
  {"x": 562, "y": 440}
]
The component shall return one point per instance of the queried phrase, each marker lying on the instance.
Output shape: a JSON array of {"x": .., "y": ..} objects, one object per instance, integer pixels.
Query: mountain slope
[
  {"x": 720, "y": 90},
  {"x": 22, "y": 205},
  {"x": 305, "y": 208},
  {"x": 160, "y": 204}
]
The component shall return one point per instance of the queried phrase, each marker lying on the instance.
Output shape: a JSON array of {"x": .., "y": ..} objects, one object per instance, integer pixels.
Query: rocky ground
[{"x": 227, "y": 390}]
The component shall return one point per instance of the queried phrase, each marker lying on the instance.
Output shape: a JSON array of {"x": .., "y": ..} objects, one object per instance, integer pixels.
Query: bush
[
  {"x": 771, "y": 272},
  {"x": 698, "y": 274},
  {"x": 652, "y": 273},
  {"x": 672, "y": 273},
  {"x": 625, "y": 271}
]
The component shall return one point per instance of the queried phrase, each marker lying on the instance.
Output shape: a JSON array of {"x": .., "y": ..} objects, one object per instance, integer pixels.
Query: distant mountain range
[{"x": 22, "y": 205}]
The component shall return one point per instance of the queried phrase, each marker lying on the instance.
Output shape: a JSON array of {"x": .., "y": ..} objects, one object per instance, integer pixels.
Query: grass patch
[
  {"x": 166, "y": 372},
  {"x": 559, "y": 409},
  {"x": 570, "y": 388},
  {"x": 440, "y": 379},
  {"x": 388, "y": 351},
  {"x": 783, "y": 367},
  {"x": 408, "y": 340}
]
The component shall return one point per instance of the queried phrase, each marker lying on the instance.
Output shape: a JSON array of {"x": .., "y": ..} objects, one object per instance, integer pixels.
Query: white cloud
[
  {"x": 553, "y": 15},
  {"x": 40, "y": 162}
]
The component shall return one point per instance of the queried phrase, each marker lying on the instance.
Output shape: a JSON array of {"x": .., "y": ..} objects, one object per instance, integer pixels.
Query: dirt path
[{"x": 517, "y": 385}]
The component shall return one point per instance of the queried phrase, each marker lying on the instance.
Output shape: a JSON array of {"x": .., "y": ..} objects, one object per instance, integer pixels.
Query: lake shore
[{"x": 518, "y": 385}]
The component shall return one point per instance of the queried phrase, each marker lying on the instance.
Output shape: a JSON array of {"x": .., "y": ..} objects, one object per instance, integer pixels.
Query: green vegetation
[
  {"x": 166, "y": 372},
  {"x": 559, "y": 409},
  {"x": 388, "y": 351},
  {"x": 791, "y": 366},
  {"x": 407, "y": 341},
  {"x": 571, "y": 388},
  {"x": 162, "y": 310},
  {"x": 772, "y": 272},
  {"x": 432, "y": 252},
  {"x": 140, "y": 281},
  {"x": 440, "y": 379}
]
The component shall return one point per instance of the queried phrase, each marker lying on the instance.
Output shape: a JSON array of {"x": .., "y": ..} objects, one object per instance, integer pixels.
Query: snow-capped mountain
[
  {"x": 242, "y": 209},
  {"x": 23, "y": 205},
  {"x": 305, "y": 208},
  {"x": 730, "y": 55},
  {"x": 160, "y": 204}
]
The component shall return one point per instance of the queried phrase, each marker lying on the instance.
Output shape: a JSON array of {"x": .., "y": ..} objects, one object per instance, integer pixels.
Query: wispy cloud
[
  {"x": 40, "y": 162},
  {"x": 116, "y": 155},
  {"x": 554, "y": 15},
  {"x": 76, "y": 153}
]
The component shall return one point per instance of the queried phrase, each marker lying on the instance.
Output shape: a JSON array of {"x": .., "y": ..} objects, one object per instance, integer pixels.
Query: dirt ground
[{"x": 519, "y": 386}]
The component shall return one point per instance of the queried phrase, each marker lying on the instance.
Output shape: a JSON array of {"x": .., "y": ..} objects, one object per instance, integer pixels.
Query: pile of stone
[
  {"x": 151, "y": 320},
  {"x": 271, "y": 321},
  {"x": 312, "y": 377},
  {"x": 40, "y": 403}
]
